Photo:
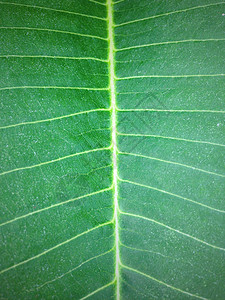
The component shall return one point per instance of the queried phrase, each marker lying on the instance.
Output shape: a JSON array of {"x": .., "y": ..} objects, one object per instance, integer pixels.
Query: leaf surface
[{"x": 112, "y": 181}]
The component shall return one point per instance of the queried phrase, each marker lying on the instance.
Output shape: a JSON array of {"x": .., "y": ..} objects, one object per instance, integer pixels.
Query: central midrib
[{"x": 111, "y": 51}]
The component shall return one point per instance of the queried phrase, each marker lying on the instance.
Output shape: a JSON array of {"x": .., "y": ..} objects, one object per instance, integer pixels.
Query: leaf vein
[
  {"x": 55, "y": 160},
  {"x": 170, "y": 138},
  {"x": 172, "y": 229},
  {"x": 168, "y": 43},
  {"x": 172, "y": 194},
  {"x": 56, "y": 118},
  {"x": 55, "y": 31},
  {"x": 163, "y": 283},
  {"x": 55, "y": 205},
  {"x": 169, "y": 76},
  {"x": 54, "y": 87},
  {"x": 72, "y": 270},
  {"x": 55, "y": 247},
  {"x": 53, "y": 9},
  {"x": 169, "y": 13},
  {"x": 53, "y": 57},
  {"x": 101, "y": 288},
  {"x": 170, "y": 162},
  {"x": 171, "y": 110}
]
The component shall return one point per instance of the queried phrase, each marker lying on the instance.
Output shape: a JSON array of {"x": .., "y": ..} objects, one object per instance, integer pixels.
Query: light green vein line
[
  {"x": 135, "y": 92},
  {"x": 169, "y": 13},
  {"x": 163, "y": 283},
  {"x": 56, "y": 118},
  {"x": 53, "y": 9},
  {"x": 171, "y": 110},
  {"x": 54, "y": 57},
  {"x": 168, "y": 76},
  {"x": 70, "y": 271},
  {"x": 168, "y": 193},
  {"x": 171, "y": 162},
  {"x": 98, "y": 290},
  {"x": 144, "y": 250},
  {"x": 128, "y": 93},
  {"x": 55, "y": 247},
  {"x": 55, "y": 160},
  {"x": 168, "y": 43},
  {"x": 170, "y": 228},
  {"x": 117, "y": 2},
  {"x": 96, "y": 2},
  {"x": 54, "y": 87},
  {"x": 56, "y": 31},
  {"x": 112, "y": 85},
  {"x": 170, "y": 138},
  {"x": 56, "y": 205}
]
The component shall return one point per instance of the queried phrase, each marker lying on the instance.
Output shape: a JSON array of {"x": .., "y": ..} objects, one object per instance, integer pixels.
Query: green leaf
[{"x": 112, "y": 175}]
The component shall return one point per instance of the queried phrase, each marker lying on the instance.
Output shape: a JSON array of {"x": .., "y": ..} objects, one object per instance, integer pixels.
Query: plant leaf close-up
[{"x": 112, "y": 149}]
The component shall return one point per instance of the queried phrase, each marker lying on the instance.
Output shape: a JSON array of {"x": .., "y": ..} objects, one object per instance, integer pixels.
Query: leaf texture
[{"x": 112, "y": 149}]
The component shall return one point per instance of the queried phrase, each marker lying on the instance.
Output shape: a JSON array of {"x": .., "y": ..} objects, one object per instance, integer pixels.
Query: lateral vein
[
  {"x": 171, "y": 162},
  {"x": 172, "y": 229},
  {"x": 117, "y": 2},
  {"x": 171, "y": 110},
  {"x": 170, "y": 138},
  {"x": 98, "y": 290},
  {"x": 55, "y": 205},
  {"x": 56, "y": 118},
  {"x": 56, "y": 31},
  {"x": 96, "y": 2},
  {"x": 55, "y": 247},
  {"x": 55, "y": 160},
  {"x": 72, "y": 270},
  {"x": 144, "y": 250},
  {"x": 163, "y": 283},
  {"x": 169, "y": 76},
  {"x": 54, "y": 87},
  {"x": 168, "y": 43},
  {"x": 168, "y": 13},
  {"x": 172, "y": 194},
  {"x": 53, "y": 9},
  {"x": 53, "y": 57}
]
